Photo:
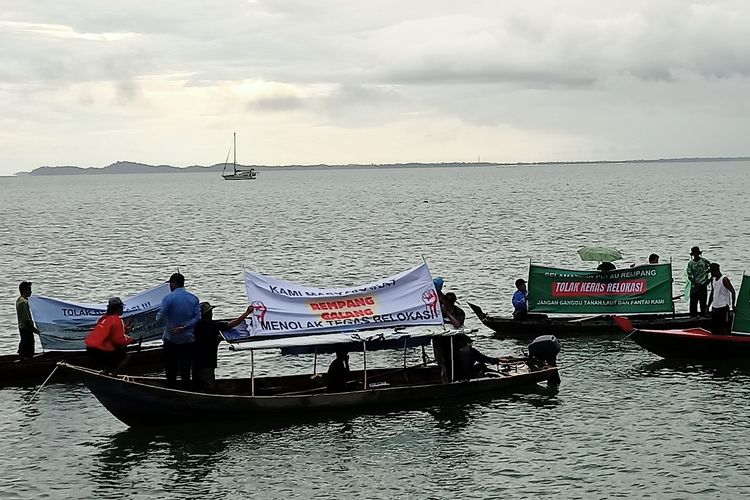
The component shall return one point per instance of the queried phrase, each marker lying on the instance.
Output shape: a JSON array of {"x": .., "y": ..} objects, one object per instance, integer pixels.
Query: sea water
[{"x": 623, "y": 423}]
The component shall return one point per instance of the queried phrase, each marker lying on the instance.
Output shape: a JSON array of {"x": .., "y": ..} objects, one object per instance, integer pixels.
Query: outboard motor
[{"x": 543, "y": 351}]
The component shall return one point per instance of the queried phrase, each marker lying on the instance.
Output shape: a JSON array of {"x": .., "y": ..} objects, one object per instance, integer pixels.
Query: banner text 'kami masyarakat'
[
  {"x": 283, "y": 307},
  {"x": 642, "y": 289}
]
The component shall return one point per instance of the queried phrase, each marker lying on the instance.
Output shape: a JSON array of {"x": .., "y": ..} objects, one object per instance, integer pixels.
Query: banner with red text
[
  {"x": 282, "y": 307},
  {"x": 642, "y": 289}
]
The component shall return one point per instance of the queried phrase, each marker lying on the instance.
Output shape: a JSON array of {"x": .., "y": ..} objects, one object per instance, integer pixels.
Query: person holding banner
[
  {"x": 106, "y": 343},
  {"x": 722, "y": 297},
  {"x": 452, "y": 314},
  {"x": 181, "y": 311},
  {"x": 207, "y": 339},
  {"x": 26, "y": 326}
]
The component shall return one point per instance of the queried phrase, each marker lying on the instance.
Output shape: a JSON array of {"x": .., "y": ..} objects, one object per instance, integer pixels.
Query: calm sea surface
[{"x": 623, "y": 424}]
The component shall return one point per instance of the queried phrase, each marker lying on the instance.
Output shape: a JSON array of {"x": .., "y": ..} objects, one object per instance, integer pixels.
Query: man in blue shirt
[
  {"x": 520, "y": 300},
  {"x": 181, "y": 311}
]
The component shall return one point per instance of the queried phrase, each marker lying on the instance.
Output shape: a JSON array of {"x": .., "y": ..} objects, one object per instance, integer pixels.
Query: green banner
[
  {"x": 742, "y": 316},
  {"x": 642, "y": 289}
]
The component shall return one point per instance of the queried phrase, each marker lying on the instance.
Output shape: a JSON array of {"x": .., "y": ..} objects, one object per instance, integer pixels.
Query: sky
[{"x": 89, "y": 83}]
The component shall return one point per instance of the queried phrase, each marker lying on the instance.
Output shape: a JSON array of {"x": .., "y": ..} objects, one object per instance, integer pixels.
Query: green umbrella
[{"x": 599, "y": 254}]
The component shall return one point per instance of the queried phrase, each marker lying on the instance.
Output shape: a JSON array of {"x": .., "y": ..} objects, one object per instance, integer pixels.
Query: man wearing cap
[
  {"x": 520, "y": 300},
  {"x": 180, "y": 310},
  {"x": 26, "y": 326},
  {"x": 699, "y": 277},
  {"x": 207, "y": 339}
]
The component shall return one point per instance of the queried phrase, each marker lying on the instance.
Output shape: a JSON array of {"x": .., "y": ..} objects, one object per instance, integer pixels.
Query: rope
[
  {"x": 43, "y": 384},
  {"x": 589, "y": 358}
]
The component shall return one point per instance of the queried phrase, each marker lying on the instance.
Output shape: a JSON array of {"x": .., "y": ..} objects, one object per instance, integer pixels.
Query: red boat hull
[{"x": 693, "y": 343}]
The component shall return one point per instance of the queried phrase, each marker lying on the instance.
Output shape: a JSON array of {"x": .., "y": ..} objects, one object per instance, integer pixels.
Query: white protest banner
[
  {"x": 283, "y": 307},
  {"x": 64, "y": 325}
]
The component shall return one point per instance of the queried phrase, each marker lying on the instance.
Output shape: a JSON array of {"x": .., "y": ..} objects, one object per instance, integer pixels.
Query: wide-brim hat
[{"x": 695, "y": 251}]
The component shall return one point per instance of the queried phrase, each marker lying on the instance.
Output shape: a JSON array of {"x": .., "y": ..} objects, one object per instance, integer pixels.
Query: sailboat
[{"x": 237, "y": 174}]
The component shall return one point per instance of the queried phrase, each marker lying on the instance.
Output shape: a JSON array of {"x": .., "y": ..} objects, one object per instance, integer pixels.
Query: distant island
[{"x": 129, "y": 167}]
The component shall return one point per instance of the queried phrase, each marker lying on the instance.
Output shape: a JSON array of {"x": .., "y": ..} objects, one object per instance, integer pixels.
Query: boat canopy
[
  {"x": 330, "y": 342},
  {"x": 633, "y": 290}
]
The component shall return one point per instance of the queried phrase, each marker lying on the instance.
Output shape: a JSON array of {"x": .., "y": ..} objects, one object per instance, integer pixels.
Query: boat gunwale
[{"x": 126, "y": 379}]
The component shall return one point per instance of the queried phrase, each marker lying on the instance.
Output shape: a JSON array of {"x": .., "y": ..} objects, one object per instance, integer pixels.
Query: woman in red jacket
[{"x": 107, "y": 341}]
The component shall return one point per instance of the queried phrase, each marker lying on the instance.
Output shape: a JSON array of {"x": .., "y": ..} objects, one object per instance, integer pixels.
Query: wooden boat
[
  {"x": 506, "y": 326},
  {"x": 143, "y": 401},
  {"x": 585, "y": 302},
  {"x": 14, "y": 371},
  {"x": 699, "y": 343},
  {"x": 237, "y": 174},
  {"x": 693, "y": 344}
]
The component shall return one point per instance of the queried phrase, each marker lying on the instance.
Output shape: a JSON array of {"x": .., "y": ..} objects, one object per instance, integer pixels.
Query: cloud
[{"x": 574, "y": 79}]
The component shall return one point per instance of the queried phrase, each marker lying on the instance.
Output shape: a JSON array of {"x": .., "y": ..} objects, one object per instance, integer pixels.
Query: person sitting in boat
[
  {"x": 722, "y": 297},
  {"x": 606, "y": 267},
  {"x": 207, "y": 339},
  {"x": 520, "y": 300},
  {"x": 452, "y": 314},
  {"x": 470, "y": 363},
  {"x": 106, "y": 344},
  {"x": 338, "y": 372}
]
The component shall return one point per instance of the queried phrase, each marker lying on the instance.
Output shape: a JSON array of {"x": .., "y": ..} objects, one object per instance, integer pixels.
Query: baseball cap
[{"x": 206, "y": 307}]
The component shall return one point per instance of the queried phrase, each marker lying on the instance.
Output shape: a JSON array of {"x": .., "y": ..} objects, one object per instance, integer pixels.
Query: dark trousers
[
  {"x": 720, "y": 321},
  {"x": 178, "y": 358},
  {"x": 26, "y": 345},
  {"x": 698, "y": 295},
  {"x": 108, "y": 361}
]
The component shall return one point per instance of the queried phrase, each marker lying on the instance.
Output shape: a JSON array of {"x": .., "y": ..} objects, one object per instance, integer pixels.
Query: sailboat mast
[{"x": 235, "y": 151}]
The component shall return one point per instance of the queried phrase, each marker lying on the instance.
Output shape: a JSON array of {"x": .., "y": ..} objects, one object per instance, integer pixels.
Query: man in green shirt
[
  {"x": 26, "y": 326},
  {"x": 699, "y": 276}
]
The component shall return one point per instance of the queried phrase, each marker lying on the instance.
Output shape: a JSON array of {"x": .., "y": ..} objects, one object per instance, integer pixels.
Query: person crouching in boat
[
  {"x": 106, "y": 343},
  {"x": 338, "y": 372},
  {"x": 207, "y": 339},
  {"x": 722, "y": 296}
]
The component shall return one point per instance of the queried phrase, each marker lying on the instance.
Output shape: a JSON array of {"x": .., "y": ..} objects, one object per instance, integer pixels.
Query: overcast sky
[{"x": 305, "y": 82}]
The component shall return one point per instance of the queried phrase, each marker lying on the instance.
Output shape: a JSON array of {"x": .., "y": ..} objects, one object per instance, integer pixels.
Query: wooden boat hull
[
  {"x": 505, "y": 326},
  {"x": 13, "y": 371},
  {"x": 693, "y": 344},
  {"x": 140, "y": 401}
]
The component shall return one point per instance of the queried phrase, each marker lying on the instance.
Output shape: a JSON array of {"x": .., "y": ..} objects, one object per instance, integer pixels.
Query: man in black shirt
[
  {"x": 451, "y": 312},
  {"x": 207, "y": 339},
  {"x": 338, "y": 371}
]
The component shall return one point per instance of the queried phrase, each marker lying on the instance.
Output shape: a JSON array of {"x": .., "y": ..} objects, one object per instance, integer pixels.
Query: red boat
[
  {"x": 694, "y": 343},
  {"x": 691, "y": 343}
]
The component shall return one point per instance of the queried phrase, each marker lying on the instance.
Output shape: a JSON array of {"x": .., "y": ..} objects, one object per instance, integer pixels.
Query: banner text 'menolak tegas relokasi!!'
[
  {"x": 641, "y": 289},
  {"x": 280, "y": 307}
]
